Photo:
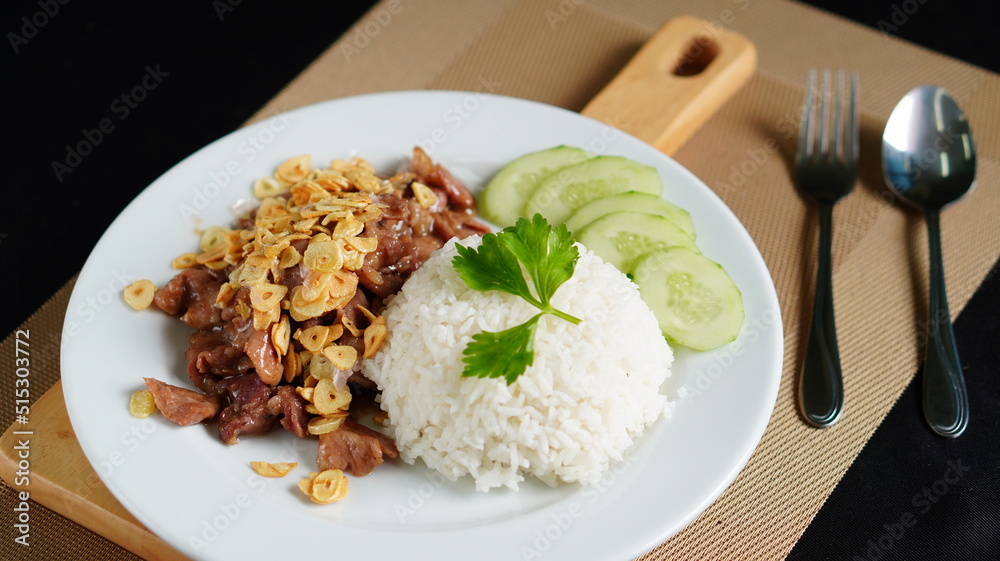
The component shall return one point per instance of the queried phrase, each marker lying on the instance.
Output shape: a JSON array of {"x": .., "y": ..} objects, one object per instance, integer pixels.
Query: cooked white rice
[{"x": 593, "y": 387}]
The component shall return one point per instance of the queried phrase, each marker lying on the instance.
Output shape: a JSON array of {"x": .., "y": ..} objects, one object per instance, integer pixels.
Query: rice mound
[{"x": 592, "y": 389}]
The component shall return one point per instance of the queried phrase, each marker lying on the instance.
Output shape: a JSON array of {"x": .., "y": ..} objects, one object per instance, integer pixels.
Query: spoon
[{"x": 928, "y": 159}]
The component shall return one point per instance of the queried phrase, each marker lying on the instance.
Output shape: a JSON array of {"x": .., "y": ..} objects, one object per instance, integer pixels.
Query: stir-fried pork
[
  {"x": 248, "y": 381},
  {"x": 355, "y": 448},
  {"x": 181, "y": 405}
]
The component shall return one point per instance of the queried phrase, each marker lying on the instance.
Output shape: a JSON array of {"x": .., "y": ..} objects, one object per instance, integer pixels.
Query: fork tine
[
  {"x": 824, "y": 117},
  {"x": 851, "y": 139},
  {"x": 838, "y": 150},
  {"x": 805, "y": 129}
]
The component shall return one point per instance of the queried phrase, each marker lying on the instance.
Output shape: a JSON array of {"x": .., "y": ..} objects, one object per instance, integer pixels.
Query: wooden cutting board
[
  {"x": 62, "y": 479},
  {"x": 679, "y": 79}
]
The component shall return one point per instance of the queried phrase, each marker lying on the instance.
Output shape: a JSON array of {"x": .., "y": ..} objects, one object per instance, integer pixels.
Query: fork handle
[
  {"x": 821, "y": 389},
  {"x": 946, "y": 403}
]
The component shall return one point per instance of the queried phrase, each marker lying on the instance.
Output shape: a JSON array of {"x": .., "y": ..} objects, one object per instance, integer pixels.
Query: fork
[{"x": 826, "y": 166}]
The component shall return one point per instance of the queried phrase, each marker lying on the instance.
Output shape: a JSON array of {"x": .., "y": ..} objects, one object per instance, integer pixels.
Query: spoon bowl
[
  {"x": 928, "y": 156},
  {"x": 929, "y": 160}
]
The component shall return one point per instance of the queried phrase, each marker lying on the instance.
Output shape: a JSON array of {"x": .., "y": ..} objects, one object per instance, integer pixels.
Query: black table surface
[{"x": 909, "y": 494}]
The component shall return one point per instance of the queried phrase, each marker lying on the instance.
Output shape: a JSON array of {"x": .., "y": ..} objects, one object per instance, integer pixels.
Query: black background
[{"x": 223, "y": 61}]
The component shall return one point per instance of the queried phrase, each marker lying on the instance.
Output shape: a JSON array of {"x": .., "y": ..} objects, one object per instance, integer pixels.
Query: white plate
[{"x": 201, "y": 496}]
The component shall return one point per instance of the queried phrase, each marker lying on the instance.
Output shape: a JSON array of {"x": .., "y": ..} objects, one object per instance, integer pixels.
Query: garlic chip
[
  {"x": 266, "y": 296},
  {"x": 324, "y": 256},
  {"x": 424, "y": 195},
  {"x": 293, "y": 366},
  {"x": 266, "y": 187},
  {"x": 323, "y": 425},
  {"x": 139, "y": 295},
  {"x": 213, "y": 237},
  {"x": 293, "y": 170},
  {"x": 343, "y": 357},
  {"x": 325, "y": 487},
  {"x": 289, "y": 258},
  {"x": 330, "y": 399},
  {"x": 279, "y": 469},
  {"x": 184, "y": 261},
  {"x": 313, "y": 338},
  {"x": 280, "y": 335},
  {"x": 375, "y": 335}
]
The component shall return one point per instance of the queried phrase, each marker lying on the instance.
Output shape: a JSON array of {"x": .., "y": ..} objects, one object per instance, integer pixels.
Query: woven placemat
[
  {"x": 547, "y": 52},
  {"x": 562, "y": 53}
]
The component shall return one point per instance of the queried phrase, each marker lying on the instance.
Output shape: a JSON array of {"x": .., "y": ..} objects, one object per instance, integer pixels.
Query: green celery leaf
[{"x": 504, "y": 354}]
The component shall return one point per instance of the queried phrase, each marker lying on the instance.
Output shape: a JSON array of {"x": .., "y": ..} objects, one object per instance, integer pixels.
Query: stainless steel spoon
[{"x": 928, "y": 159}]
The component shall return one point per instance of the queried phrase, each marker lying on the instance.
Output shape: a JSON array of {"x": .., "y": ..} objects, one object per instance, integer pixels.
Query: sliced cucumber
[
  {"x": 620, "y": 238},
  {"x": 502, "y": 201},
  {"x": 572, "y": 187},
  {"x": 694, "y": 299},
  {"x": 633, "y": 201}
]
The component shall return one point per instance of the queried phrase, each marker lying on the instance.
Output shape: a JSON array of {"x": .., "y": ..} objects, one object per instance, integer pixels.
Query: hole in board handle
[{"x": 700, "y": 52}]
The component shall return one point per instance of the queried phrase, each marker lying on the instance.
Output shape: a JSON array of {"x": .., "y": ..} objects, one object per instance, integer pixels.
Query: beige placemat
[{"x": 563, "y": 53}]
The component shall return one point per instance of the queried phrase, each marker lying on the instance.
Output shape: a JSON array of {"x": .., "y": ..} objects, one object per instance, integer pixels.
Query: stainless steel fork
[{"x": 826, "y": 168}]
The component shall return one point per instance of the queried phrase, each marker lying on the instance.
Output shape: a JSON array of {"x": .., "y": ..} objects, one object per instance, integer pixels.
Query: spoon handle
[
  {"x": 821, "y": 390},
  {"x": 946, "y": 403}
]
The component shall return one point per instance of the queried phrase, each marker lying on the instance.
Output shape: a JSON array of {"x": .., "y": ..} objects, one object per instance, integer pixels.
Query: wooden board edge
[{"x": 126, "y": 531}]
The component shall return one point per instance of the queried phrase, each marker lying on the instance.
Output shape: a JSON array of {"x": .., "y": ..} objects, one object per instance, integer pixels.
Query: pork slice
[
  {"x": 354, "y": 447},
  {"x": 230, "y": 311},
  {"x": 422, "y": 247},
  {"x": 238, "y": 329},
  {"x": 353, "y": 314},
  {"x": 433, "y": 174},
  {"x": 266, "y": 361},
  {"x": 181, "y": 405},
  {"x": 293, "y": 411},
  {"x": 458, "y": 193},
  {"x": 386, "y": 268},
  {"x": 294, "y": 276},
  {"x": 248, "y": 411},
  {"x": 422, "y": 165},
  {"x": 361, "y": 380},
  {"x": 352, "y": 309},
  {"x": 421, "y": 220},
  {"x": 457, "y": 224},
  {"x": 191, "y": 294},
  {"x": 210, "y": 355},
  {"x": 379, "y": 282},
  {"x": 396, "y": 209}
]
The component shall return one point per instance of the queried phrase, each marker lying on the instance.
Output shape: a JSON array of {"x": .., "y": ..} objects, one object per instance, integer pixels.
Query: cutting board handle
[{"x": 679, "y": 79}]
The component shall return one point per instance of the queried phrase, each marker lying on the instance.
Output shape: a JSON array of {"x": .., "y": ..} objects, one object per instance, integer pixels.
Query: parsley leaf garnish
[
  {"x": 491, "y": 267},
  {"x": 501, "y": 354},
  {"x": 548, "y": 257}
]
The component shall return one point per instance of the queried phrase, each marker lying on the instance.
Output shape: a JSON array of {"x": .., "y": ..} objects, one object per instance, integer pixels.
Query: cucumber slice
[
  {"x": 502, "y": 201},
  {"x": 574, "y": 186},
  {"x": 694, "y": 299},
  {"x": 634, "y": 201},
  {"x": 620, "y": 238}
]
